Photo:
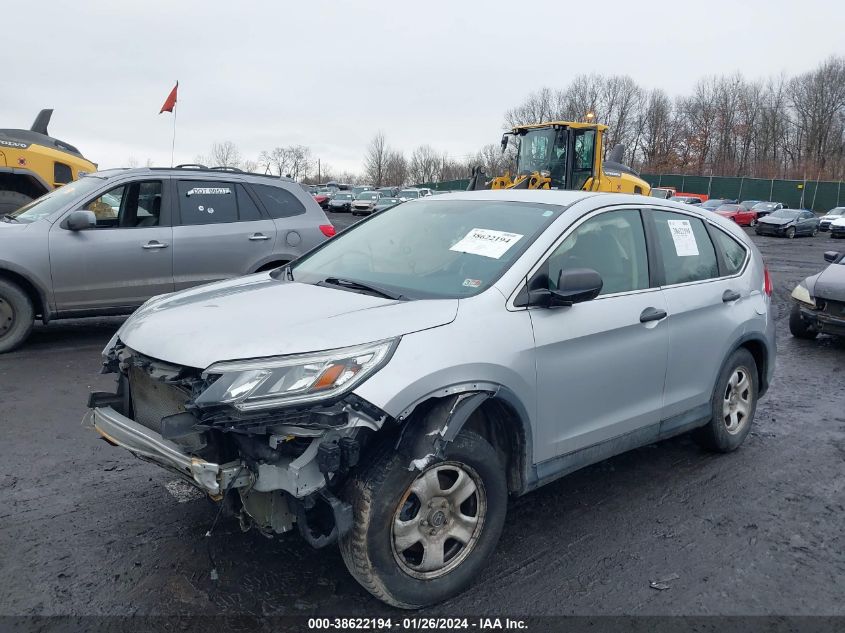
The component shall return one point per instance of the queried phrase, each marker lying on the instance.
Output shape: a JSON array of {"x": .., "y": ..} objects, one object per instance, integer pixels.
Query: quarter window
[
  {"x": 733, "y": 253},
  {"x": 613, "y": 244},
  {"x": 685, "y": 248},
  {"x": 279, "y": 202},
  {"x": 207, "y": 202}
]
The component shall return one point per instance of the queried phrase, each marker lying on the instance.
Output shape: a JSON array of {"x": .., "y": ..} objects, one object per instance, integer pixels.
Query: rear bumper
[{"x": 119, "y": 430}]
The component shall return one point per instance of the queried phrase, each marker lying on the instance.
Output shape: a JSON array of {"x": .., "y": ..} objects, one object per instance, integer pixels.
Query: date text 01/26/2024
[{"x": 416, "y": 624}]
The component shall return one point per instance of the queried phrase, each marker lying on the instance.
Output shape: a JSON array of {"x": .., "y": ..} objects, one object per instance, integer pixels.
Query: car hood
[
  {"x": 830, "y": 283},
  {"x": 776, "y": 221},
  {"x": 258, "y": 316},
  {"x": 839, "y": 222}
]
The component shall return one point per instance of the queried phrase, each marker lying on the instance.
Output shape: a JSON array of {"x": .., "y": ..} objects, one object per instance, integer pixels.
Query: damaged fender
[{"x": 424, "y": 441}]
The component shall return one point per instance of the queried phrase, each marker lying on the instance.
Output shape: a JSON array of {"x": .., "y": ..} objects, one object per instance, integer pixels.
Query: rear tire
[
  {"x": 798, "y": 327},
  {"x": 733, "y": 404},
  {"x": 401, "y": 546},
  {"x": 16, "y": 316},
  {"x": 12, "y": 201}
]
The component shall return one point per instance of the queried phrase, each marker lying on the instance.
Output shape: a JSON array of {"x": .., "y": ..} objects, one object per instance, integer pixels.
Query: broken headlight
[
  {"x": 265, "y": 383},
  {"x": 802, "y": 294}
]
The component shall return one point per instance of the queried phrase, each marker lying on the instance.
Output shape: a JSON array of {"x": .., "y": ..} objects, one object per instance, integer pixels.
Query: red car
[{"x": 738, "y": 213}]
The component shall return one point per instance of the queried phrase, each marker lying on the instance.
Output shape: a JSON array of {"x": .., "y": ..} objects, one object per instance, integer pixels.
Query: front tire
[
  {"x": 753, "y": 222},
  {"x": 798, "y": 327},
  {"x": 790, "y": 232},
  {"x": 16, "y": 316},
  {"x": 733, "y": 404},
  {"x": 419, "y": 538}
]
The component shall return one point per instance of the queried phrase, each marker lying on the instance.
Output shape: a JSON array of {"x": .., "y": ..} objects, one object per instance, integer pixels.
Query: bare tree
[
  {"x": 425, "y": 164},
  {"x": 225, "y": 154},
  {"x": 396, "y": 169},
  {"x": 375, "y": 159}
]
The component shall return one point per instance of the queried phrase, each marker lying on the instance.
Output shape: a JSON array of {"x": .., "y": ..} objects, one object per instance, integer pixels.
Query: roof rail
[
  {"x": 190, "y": 166},
  {"x": 225, "y": 168}
]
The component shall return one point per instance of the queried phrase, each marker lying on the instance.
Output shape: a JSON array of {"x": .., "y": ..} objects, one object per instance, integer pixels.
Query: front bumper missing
[
  {"x": 823, "y": 322},
  {"x": 119, "y": 430}
]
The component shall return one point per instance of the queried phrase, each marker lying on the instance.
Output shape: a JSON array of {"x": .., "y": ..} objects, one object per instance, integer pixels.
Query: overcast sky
[{"x": 331, "y": 74}]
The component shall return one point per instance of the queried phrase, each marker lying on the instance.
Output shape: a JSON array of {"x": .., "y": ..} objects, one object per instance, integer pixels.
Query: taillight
[
  {"x": 328, "y": 231},
  {"x": 767, "y": 282}
]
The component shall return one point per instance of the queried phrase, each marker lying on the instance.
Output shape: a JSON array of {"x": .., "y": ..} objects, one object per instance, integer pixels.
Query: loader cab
[{"x": 561, "y": 152}]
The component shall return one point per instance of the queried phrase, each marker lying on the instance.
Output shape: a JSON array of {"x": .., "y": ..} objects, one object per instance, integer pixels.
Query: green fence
[{"x": 815, "y": 195}]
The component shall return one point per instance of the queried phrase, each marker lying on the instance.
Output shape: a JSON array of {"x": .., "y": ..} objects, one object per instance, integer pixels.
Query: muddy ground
[{"x": 84, "y": 529}]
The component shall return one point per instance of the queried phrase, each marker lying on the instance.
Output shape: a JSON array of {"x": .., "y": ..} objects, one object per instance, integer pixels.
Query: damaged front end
[{"x": 283, "y": 433}]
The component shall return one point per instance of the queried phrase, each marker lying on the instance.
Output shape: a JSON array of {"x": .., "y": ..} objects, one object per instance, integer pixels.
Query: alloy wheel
[
  {"x": 439, "y": 520},
  {"x": 736, "y": 404}
]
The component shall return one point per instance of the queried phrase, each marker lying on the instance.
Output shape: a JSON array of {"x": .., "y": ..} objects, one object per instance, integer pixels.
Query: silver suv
[
  {"x": 443, "y": 355},
  {"x": 108, "y": 242}
]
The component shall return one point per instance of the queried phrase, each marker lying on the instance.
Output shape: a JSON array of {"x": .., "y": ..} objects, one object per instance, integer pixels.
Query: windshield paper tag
[
  {"x": 209, "y": 191},
  {"x": 682, "y": 235},
  {"x": 487, "y": 243}
]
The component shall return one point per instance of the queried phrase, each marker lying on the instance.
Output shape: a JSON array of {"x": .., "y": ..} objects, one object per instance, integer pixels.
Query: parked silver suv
[
  {"x": 108, "y": 242},
  {"x": 444, "y": 355}
]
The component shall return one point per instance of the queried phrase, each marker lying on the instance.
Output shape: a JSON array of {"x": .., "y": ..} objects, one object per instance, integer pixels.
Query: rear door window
[
  {"x": 207, "y": 202},
  {"x": 685, "y": 248},
  {"x": 279, "y": 202}
]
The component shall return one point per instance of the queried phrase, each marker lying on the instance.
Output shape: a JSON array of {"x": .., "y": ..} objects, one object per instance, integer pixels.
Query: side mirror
[
  {"x": 575, "y": 285},
  {"x": 832, "y": 256},
  {"x": 81, "y": 220}
]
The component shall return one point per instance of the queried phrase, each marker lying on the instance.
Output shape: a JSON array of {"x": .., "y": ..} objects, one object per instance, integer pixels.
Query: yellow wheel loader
[
  {"x": 563, "y": 155},
  {"x": 32, "y": 163}
]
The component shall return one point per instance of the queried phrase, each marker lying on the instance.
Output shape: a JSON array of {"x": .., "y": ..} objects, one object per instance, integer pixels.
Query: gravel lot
[{"x": 84, "y": 529}]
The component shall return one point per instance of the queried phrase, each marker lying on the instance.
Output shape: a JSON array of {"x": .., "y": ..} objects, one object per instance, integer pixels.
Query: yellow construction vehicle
[
  {"x": 32, "y": 163},
  {"x": 563, "y": 155}
]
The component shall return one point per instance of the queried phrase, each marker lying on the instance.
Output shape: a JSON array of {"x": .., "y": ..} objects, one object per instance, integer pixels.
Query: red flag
[{"x": 170, "y": 102}]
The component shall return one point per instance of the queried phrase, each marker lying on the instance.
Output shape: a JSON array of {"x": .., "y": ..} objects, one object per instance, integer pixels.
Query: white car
[
  {"x": 837, "y": 227},
  {"x": 831, "y": 216}
]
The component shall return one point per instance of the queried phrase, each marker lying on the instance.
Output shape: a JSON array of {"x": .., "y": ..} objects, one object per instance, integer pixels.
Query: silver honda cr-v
[
  {"x": 111, "y": 240},
  {"x": 390, "y": 389}
]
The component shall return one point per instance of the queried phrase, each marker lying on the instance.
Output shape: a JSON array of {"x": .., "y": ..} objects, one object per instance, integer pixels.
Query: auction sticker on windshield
[
  {"x": 682, "y": 236},
  {"x": 487, "y": 243}
]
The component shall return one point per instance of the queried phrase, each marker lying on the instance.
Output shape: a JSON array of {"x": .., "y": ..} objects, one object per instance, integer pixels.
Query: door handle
[
  {"x": 731, "y": 295},
  {"x": 153, "y": 245},
  {"x": 652, "y": 314},
  {"x": 257, "y": 237}
]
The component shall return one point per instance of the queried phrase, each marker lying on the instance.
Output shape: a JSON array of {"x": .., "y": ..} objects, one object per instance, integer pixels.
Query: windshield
[
  {"x": 56, "y": 199},
  {"x": 728, "y": 208},
  {"x": 535, "y": 149},
  {"x": 764, "y": 206},
  {"x": 430, "y": 249},
  {"x": 343, "y": 196},
  {"x": 785, "y": 213},
  {"x": 409, "y": 193},
  {"x": 368, "y": 195},
  {"x": 713, "y": 204},
  {"x": 837, "y": 211}
]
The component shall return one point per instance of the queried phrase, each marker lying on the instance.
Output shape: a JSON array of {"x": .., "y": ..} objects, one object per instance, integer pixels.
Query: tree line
[{"x": 777, "y": 127}]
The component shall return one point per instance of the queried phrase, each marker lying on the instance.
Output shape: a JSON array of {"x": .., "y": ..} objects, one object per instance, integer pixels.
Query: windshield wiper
[
  {"x": 8, "y": 218},
  {"x": 357, "y": 285}
]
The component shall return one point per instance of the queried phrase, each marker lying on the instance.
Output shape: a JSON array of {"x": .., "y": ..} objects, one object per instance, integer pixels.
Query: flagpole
[{"x": 173, "y": 144}]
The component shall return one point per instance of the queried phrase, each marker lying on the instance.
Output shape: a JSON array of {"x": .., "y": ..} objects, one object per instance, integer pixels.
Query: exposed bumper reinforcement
[{"x": 119, "y": 430}]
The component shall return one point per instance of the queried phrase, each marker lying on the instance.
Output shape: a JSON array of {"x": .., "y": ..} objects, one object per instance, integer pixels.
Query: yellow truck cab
[{"x": 32, "y": 163}]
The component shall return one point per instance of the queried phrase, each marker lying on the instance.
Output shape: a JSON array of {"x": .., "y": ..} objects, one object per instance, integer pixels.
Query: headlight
[
  {"x": 265, "y": 383},
  {"x": 802, "y": 294}
]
